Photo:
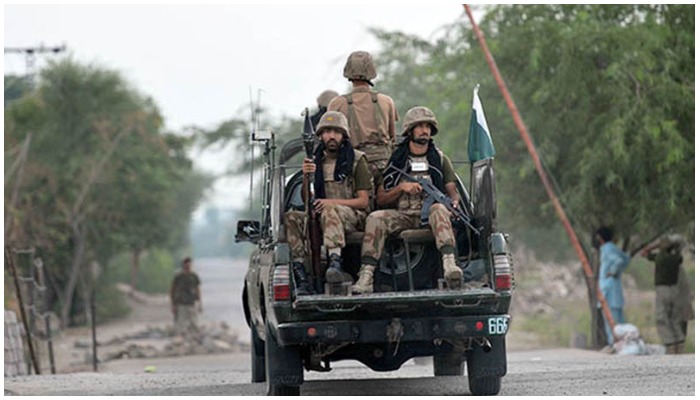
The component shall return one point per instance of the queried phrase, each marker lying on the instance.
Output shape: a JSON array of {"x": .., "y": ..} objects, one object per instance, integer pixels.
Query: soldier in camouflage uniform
[
  {"x": 342, "y": 182},
  {"x": 418, "y": 157},
  {"x": 372, "y": 115},
  {"x": 673, "y": 299}
]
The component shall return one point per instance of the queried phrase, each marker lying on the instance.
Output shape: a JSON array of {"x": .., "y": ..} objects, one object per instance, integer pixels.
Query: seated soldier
[
  {"x": 341, "y": 184},
  {"x": 417, "y": 156}
]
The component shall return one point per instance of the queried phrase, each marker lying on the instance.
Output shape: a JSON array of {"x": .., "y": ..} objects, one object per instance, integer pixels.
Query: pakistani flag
[{"x": 480, "y": 145}]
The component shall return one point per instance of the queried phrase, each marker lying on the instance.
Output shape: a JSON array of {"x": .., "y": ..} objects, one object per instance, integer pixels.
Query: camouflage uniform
[
  {"x": 381, "y": 224},
  {"x": 372, "y": 116},
  {"x": 336, "y": 220}
]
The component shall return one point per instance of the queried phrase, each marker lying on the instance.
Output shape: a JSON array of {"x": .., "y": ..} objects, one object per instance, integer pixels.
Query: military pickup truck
[{"x": 411, "y": 313}]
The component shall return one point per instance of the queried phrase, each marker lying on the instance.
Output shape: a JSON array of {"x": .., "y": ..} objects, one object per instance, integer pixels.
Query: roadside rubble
[{"x": 161, "y": 341}]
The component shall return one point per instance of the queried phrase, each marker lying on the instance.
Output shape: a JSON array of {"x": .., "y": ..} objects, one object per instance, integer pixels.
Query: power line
[{"x": 30, "y": 54}]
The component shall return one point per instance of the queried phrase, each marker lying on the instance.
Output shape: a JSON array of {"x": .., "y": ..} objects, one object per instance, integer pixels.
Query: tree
[{"x": 101, "y": 176}]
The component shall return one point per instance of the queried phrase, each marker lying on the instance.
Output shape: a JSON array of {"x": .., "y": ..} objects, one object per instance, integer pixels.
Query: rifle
[
  {"x": 435, "y": 195},
  {"x": 313, "y": 222}
]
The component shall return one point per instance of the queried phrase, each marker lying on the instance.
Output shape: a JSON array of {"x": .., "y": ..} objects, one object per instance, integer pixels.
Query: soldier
[
  {"x": 323, "y": 99},
  {"x": 184, "y": 296},
  {"x": 342, "y": 182},
  {"x": 372, "y": 115},
  {"x": 418, "y": 157},
  {"x": 673, "y": 300}
]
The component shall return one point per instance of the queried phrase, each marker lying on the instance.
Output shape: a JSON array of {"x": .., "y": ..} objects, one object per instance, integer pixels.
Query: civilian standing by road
[
  {"x": 186, "y": 300},
  {"x": 613, "y": 262},
  {"x": 673, "y": 300}
]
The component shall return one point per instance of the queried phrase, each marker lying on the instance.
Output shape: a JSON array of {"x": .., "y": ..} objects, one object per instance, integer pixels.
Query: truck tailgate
[{"x": 481, "y": 301}]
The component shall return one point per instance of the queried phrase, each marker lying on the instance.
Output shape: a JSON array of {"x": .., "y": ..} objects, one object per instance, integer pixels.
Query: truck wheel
[
  {"x": 257, "y": 357},
  {"x": 283, "y": 367},
  {"x": 448, "y": 364},
  {"x": 485, "y": 386}
]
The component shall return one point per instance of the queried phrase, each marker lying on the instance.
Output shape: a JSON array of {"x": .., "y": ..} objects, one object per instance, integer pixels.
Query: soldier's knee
[
  {"x": 375, "y": 220},
  {"x": 438, "y": 208}
]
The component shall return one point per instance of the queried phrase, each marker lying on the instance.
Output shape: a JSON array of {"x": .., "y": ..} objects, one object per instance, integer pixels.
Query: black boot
[
  {"x": 304, "y": 286},
  {"x": 335, "y": 273}
]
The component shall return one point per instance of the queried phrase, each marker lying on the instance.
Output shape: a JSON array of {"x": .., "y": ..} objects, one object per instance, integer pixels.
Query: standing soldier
[
  {"x": 184, "y": 296},
  {"x": 418, "y": 157},
  {"x": 323, "y": 99},
  {"x": 372, "y": 115},
  {"x": 342, "y": 182},
  {"x": 673, "y": 307}
]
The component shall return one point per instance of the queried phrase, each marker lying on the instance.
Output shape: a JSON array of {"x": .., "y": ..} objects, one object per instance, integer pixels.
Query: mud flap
[
  {"x": 484, "y": 364},
  {"x": 283, "y": 365}
]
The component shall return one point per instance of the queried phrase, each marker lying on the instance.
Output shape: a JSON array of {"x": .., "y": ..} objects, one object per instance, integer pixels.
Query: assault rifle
[
  {"x": 313, "y": 222},
  {"x": 435, "y": 195}
]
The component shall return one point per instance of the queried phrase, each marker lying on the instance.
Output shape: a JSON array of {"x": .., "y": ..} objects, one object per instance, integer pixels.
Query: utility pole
[{"x": 30, "y": 54}]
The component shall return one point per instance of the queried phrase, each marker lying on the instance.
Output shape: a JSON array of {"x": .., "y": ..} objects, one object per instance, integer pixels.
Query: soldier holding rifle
[
  {"x": 418, "y": 157},
  {"x": 341, "y": 181}
]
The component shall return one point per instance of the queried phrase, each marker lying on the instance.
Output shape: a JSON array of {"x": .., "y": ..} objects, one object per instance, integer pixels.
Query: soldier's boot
[
  {"x": 304, "y": 286},
  {"x": 670, "y": 349},
  {"x": 335, "y": 273},
  {"x": 365, "y": 283},
  {"x": 453, "y": 273}
]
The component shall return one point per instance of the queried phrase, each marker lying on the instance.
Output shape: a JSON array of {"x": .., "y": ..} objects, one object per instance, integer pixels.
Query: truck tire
[
  {"x": 486, "y": 366},
  {"x": 283, "y": 367},
  {"x": 257, "y": 357},
  {"x": 448, "y": 364},
  {"x": 485, "y": 386}
]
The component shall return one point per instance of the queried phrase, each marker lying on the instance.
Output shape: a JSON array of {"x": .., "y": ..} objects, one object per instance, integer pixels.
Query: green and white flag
[{"x": 480, "y": 145}]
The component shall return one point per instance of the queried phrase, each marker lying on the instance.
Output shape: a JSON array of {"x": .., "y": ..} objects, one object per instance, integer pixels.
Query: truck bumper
[{"x": 383, "y": 330}]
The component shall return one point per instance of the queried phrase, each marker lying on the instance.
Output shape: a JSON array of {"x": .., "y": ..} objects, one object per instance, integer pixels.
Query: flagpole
[{"x": 540, "y": 170}]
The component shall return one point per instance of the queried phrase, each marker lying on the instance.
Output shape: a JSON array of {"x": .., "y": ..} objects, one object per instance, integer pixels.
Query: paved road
[{"x": 532, "y": 373}]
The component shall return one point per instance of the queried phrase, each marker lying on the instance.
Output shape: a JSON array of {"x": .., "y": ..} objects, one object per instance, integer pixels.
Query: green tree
[{"x": 99, "y": 177}]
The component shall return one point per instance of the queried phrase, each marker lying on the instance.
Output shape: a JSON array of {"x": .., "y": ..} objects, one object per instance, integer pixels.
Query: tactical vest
[
  {"x": 344, "y": 189},
  {"x": 381, "y": 149},
  {"x": 412, "y": 203}
]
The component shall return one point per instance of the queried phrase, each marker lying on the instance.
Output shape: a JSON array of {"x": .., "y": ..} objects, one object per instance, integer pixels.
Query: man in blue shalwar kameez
[{"x": 613, "y": 262}]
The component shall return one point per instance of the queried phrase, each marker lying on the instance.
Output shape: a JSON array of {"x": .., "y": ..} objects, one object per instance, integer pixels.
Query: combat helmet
[
  {"x": 360, "y": 66},
  {"x": 415, "y": 116},
  {"x": 333, "y": 119},
  {"x": 325, "y": 98}
]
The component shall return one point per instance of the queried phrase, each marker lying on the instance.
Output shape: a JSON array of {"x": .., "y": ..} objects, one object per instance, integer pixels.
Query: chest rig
[
  {"x": 418, "y": 168},
  {"x": 344, "y": 189}
]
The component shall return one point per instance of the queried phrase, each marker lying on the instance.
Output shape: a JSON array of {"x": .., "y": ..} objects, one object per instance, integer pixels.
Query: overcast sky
[{"x": 199, "y": 63}]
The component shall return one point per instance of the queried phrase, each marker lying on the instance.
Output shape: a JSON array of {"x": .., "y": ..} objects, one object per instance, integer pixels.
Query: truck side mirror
[{"x": 248, "y": 231}]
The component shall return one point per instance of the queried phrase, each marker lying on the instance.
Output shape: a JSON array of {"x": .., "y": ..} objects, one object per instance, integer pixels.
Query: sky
[{"x": 201, "y": 63}]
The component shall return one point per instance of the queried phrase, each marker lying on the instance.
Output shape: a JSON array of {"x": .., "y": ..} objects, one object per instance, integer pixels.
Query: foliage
[
  {"x": 155, "y": 275},
  {"x": 101, "y": 177},
  {"x": 607, "y": 93}
]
